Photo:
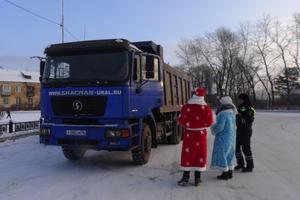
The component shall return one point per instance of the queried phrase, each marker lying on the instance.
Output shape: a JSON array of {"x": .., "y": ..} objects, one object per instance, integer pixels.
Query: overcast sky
[{"x": 163, "y": 21}]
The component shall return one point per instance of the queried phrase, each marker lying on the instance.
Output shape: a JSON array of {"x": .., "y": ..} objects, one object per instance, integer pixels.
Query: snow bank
[{"x": 22, "y": 116}]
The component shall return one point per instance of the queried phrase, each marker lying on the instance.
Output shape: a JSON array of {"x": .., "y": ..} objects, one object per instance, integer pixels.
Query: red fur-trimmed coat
[{"x": 195, "y": 119}]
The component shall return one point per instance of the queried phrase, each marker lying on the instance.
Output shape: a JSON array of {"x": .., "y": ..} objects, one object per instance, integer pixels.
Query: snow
[
  {"x": 22, "y": 116},
  {"x": 16, "y": 76},
  {"x": 32, "y": 171}
]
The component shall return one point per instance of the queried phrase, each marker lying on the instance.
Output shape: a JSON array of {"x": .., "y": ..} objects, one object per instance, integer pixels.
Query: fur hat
[
  {"x": 228, "y": 101},
  {"x": 200, "y": 92}
]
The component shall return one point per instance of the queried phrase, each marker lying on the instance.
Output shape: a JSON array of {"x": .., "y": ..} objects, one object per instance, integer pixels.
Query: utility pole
[{"x": 62, "y": 21}]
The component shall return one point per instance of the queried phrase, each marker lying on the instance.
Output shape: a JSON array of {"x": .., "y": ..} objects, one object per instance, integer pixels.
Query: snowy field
[
  {"x": 22, "y": 116},
  {"x": 33, "y": 171}
]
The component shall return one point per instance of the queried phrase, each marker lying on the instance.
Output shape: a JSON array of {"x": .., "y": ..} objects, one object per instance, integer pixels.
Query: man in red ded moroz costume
[{"x": 196, "y": 117}]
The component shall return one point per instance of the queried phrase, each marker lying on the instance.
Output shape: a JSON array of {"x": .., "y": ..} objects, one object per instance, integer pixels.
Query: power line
[
  {"x": 70, "y": 33},
  {"x": 32, "y": 13},
  {"x": 41, "y": 17}
]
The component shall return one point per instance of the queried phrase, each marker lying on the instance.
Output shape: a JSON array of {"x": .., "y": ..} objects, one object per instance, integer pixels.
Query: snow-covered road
[{"x": 32, "y": 171}]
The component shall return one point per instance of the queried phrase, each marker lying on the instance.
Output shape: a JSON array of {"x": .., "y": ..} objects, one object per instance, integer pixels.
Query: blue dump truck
[{"x": 110, "y": 95}]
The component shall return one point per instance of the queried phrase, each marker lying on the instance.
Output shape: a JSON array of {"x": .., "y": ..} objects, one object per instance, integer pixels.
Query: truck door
[{"x": 146, "y": 93}]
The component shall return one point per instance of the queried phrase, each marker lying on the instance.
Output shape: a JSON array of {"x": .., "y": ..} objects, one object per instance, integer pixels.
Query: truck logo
[
  {"x": 77, "y": 105},
  {"x": 85, "y": 92}
]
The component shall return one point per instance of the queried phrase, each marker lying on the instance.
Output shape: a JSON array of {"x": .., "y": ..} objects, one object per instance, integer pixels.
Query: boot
[
  {"x": 249, "y": 166},
  {"x": 197, "y": 178},
  {"x": 239, "y": 167},
  {"x": 224, "y": 176},
  {"x": 245, "y": 170},
  {"x": 185, "y": 179},
  {"x": 240, "y": 162},
  {"x": 230, "y": 174}
]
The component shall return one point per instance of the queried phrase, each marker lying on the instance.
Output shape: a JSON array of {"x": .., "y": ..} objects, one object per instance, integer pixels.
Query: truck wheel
[
  {"x": 141, "y": 154},
  {"x": 73, "y": 154},
  {"x": 176, "y": 136}
]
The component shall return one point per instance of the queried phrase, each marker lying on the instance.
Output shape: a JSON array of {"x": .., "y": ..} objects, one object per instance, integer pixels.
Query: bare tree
[
  {"x": 246, "y": 63},
  {"x": 256, "y": 58},
  {"x": 216, "y": 56},
  {"x": 295, "y": 47},
  {"x": 190, "y": 54},
  {"x": 282, "y": 40},
  {"x": 265, "y": 56},
  {"x": 183, "y": 53}
]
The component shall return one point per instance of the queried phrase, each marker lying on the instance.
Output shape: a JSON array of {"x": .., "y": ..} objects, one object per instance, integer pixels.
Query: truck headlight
[
  {"x": 45, "y": 131},
  {"x": 115, "y": 133}
]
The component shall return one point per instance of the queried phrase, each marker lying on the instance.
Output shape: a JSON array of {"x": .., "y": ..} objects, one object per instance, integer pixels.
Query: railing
[{"x": 12, "y": 127}]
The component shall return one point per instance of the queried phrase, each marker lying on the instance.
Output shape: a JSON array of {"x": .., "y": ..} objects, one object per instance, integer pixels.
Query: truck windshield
[{"x": 111, "y": 66}]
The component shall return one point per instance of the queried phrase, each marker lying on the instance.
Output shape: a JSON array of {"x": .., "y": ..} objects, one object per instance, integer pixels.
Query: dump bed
[{"x": 177, "y": 89}]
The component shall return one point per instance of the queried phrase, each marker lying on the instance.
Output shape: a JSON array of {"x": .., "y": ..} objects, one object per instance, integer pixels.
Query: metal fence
[{"x": 12, "y": 127}]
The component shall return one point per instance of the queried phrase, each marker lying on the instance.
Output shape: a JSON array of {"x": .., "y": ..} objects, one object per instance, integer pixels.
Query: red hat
[{"x": 200, "y": 92}]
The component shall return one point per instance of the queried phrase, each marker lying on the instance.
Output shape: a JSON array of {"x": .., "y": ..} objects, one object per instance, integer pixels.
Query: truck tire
[
  {"x": 141, "y": 154},
  {"x": 73, "y": 154},
  {"x": 176, "y": 136}
]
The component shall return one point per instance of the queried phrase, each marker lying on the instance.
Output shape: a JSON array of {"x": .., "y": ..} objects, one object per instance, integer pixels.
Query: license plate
[{"x": 76, "y": 132}]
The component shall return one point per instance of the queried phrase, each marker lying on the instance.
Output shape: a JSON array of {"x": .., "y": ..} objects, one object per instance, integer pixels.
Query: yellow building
[{"x": 19, "y": 90}]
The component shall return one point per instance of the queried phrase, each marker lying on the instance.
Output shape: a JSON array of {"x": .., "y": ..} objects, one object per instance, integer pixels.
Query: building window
[
  {"x": 30, "y": 88},
  {"x": 18, "y": 101},
  {"x": 6, "y": 101},
  {"x": 30, "y": 101},
  {"x": 30, "y": 91},
  {"x": 6, "y": 90},
  {"x": 18, "y": 89}
]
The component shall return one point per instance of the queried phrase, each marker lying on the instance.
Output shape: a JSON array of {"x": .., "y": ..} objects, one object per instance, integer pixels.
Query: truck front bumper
[{"x": 84, "y": 136}]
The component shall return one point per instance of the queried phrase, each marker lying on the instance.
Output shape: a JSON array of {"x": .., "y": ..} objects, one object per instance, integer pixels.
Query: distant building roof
[{"x": 8, "y": 75}]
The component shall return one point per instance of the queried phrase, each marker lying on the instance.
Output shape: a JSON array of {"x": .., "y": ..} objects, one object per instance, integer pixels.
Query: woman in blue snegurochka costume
[{"x": 224, "y": 131}]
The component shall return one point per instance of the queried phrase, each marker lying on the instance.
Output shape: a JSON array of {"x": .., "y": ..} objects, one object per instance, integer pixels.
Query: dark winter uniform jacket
[{"x": 244, "y": 119}]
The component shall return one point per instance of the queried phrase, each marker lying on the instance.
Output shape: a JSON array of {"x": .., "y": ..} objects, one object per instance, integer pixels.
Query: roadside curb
[{"x": 16, "y": 136}]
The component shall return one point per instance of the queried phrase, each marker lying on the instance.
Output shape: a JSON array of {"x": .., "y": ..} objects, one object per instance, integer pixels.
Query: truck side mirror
[
  {"x": 149, "y": 67},
  {"x": 42, "y": 67}
]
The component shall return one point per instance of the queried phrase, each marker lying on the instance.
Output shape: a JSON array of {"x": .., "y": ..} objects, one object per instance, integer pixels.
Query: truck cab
[{"x": 105, "y": 95}]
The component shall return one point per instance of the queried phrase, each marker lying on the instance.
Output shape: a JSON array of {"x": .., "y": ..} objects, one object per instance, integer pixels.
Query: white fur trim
[
  {"x": 199, "y": 169},
  {"x": 234, "y": 111},
  {"x": 197, "y": 129},
  {"x": 197, "y": 100},
  {"x": 227, "y": 110}
]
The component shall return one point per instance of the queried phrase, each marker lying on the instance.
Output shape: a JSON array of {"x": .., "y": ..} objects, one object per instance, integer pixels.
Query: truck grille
[{"x": 82, "y": 106}]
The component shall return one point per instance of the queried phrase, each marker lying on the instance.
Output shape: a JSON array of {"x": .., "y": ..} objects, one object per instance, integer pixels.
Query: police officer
[{"x": 244, "y": 121}]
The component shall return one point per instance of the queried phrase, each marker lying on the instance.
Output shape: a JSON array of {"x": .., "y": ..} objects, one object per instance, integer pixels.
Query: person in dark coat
[
  {"x": 244, "y": 121},
  {"x": 8, "y": 114}
]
